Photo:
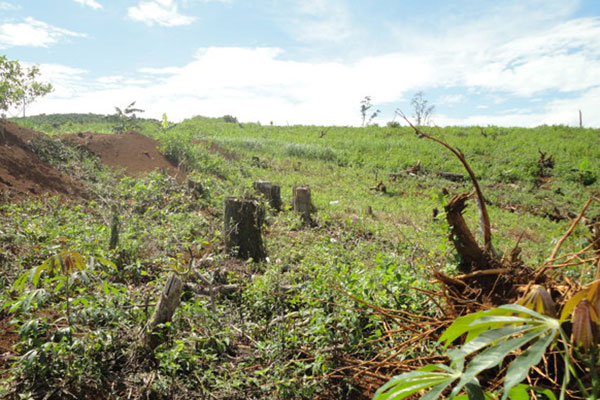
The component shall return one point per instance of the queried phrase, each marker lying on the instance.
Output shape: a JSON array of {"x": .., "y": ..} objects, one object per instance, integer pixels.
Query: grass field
[{"x": 294, "y": 322}]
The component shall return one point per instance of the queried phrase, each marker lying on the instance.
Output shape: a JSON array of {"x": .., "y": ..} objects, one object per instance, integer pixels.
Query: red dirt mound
[
  {"x": 22, "y": 173},
  {"x": 136, "y": 153}
]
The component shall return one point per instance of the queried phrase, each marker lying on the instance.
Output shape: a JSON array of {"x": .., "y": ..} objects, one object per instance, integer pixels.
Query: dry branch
[{"x": 485, "y": 218}]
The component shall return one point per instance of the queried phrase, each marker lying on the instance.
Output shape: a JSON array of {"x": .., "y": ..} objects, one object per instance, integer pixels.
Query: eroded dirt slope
[
  {"x": 136, "y": 153},
  {"x": 22, "y": 173}
]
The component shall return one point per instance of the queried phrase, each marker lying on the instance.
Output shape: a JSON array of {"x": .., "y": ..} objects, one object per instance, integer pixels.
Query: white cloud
[
  {"x": 90, "y": 3},
  {"x": 4, "y": 6},
  {"x": 318, "y": 20},
  {"x": 159, "y": 12},
  {"x": 32, "y": 33},
  {"x": 505, "y": 57},
  {"x": 452, "y": 99}
]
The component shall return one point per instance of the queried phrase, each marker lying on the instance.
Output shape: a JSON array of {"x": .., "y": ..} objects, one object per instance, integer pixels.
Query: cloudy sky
[{"x": 509, "y": 62}]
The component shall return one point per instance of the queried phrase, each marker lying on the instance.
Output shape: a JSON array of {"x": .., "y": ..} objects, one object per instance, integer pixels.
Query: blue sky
[{"x": 510, "y": 62}]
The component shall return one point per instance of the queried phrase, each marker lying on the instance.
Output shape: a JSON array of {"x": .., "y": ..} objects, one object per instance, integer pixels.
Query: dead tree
[
  {"x": 243, "y": 222},
  {"x": 302, "y": 203},
  {"x": 271, "y": 192},
  {"x": 167, "y": 304}
]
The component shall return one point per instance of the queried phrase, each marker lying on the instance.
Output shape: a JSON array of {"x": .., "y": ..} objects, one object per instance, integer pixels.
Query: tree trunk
[
  {"x": 163, "y": 312},
  {"x": 302, "y": 203},
  {"x": 271, "y": 192},
  {"x": 243, "y": 221},
  {"x": 473, "y": 257}
]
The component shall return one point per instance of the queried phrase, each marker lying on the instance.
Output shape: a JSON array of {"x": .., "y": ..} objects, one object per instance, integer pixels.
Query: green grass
[{"x": 261, "y": 341}]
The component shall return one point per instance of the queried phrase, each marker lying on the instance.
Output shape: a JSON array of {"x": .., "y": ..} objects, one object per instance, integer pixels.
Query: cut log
[
  {"x": 243, "y": 222},
  {"x": 271, "y": 192},
  {"x": 414, "y": 170},
  {"x": 302, "y": 203},
  {"x": 163, "y": 312},
  {"x": 472, "y": 256}
]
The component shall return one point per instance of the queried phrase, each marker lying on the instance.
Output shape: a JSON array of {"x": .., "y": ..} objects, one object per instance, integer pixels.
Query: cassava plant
[
  {"x": 518, "y": 332},
  {"x": 519, "y": 335}
]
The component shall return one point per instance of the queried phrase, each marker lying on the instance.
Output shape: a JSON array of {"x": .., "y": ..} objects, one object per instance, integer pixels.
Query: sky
[{"x": 311, "y": 62}]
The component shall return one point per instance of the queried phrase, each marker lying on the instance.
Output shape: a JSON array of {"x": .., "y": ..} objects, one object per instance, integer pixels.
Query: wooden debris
[
  {"x": 163, "y": 312},
  {"x": 380, "y": 187}
]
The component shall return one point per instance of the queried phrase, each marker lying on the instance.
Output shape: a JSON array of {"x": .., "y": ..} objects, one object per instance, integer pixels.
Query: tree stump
[
  {"x": 302, "y": 203},
  {"x": 163, "y": 312},
  {"x": 271, "y": 192},
  {"x": 243, "y": 221},
  {"x": 472, "y": 256}
]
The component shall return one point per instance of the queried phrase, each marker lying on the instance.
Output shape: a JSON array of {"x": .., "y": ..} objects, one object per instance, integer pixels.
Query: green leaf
[
  {"x": 519, "y": 368},
  {"x": 492, "y": 356},
  {"x": 474, "y": 390},
  {"x": 519, "y": 392},
  {"x": 409, "y": 383},
  {"x": 437, "y": 390},
  {"x": 487, "y": 338}
]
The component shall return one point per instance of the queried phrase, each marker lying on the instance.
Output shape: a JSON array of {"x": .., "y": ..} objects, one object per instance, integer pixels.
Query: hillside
[{"x": 323, "y": 315}]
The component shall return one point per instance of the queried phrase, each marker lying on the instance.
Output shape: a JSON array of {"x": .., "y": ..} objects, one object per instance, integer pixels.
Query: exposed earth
[
  {"x": 23, "y": 173},
  {"x": 136, "y": 153}
]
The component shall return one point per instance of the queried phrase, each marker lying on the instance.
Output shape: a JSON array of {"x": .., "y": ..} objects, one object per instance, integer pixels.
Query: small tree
[
  {"x": 365, "y": 106},
  {"x": 423, "y": 111},
  {"x": 18, "y": 85},
  {"x": 126, "y": 118}
]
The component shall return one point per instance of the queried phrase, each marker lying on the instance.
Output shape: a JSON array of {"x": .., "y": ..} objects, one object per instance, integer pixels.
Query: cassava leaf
[
  {"x": 491, "y": 357},
  {"x": 487, "y": 338},
  {"x": 519, "y": 368},
  {"x": 406, "y": 384}
]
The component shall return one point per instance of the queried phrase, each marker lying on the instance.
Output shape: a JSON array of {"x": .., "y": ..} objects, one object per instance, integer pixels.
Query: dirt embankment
[
  {"x": 132, "y": 151},
  {"x": 22, "y": 173}
]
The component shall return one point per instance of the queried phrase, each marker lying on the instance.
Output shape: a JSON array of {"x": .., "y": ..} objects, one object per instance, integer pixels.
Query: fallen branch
[{"x": 485, "y": 218}]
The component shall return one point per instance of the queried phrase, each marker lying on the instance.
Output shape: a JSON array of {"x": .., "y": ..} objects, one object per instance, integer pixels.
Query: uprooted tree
[
  {"x": 515, "y": 331},
  {"x": 19, "y": 86}
]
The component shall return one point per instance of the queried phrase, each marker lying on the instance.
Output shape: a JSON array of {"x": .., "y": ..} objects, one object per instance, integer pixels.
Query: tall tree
[{"x": 19, "y": 86}]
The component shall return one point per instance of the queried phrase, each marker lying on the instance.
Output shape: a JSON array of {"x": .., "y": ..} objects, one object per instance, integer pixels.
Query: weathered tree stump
[
  {"x": 302, "y": 203},
  {"x": 243, "y": 221},
  {"x": 271, "y": 192},
  {"x": 163, "y": 312},
  {"x": 473, "y": 257}
]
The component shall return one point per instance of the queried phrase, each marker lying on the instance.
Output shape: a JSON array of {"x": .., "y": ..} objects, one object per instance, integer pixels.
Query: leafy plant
[
  {"x": 491, "y": 336},
  {"x": 126, "y": 118},
  {"x": 19, "y": 86}
]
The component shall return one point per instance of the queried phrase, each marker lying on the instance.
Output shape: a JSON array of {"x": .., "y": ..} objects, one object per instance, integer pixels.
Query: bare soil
[
  {"x": 23, "y": 174},
  {"x": 132, "y": 151}
]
